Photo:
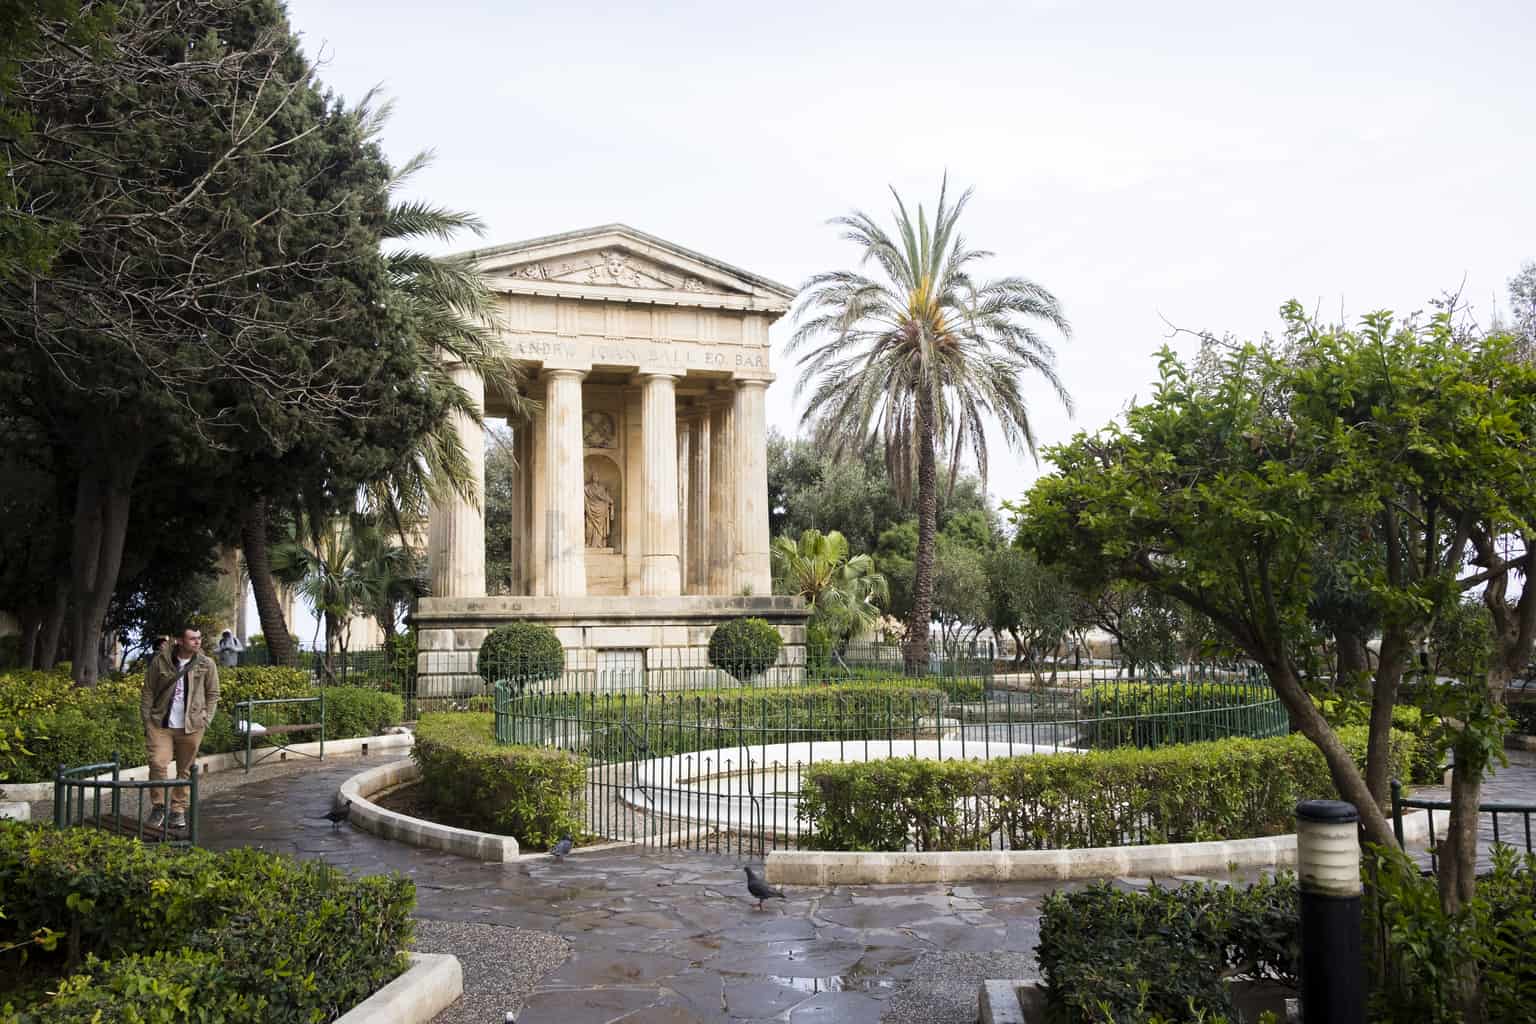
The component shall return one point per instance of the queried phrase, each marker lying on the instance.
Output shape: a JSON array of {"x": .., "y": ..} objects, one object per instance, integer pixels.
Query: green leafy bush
[
  {"x": 167, "y": 987},
  {"x": 1107, "y": 955},
  {"x": 1157, "y": 714},
  {"x": 1523, "y": 714},
  {"x": 360, "y": 711},
  {"x": 303, "y": 936},
  {"x": 1229, "y": 789},
  {"x": 522, "y": 652},
  {"x": 744, "y": 647},
  {"x": 1428, "y": 732},
  {"x": 621, "y": 726},
  {"x": 535, "y": 794},
  {"x": 46, "y": 721},
  {"x": 1428, "y": 952}
]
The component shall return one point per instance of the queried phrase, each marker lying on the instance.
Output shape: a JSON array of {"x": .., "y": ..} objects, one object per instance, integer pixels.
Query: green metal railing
[
  {"x": 82, "y": 799},
  {"x": 722, "y": 766},
  {"x": 246, "y": 723},
  {"x": 1493, "y": 809}
]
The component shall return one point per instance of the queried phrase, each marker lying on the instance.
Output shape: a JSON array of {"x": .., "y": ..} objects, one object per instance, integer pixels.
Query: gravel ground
[
  {"x": 943, "y": 986},
  {"x": 501, "y": 965}
]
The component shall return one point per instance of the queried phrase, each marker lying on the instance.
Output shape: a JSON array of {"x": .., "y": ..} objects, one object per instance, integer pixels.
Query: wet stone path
[{"x": 651, "y": 936}]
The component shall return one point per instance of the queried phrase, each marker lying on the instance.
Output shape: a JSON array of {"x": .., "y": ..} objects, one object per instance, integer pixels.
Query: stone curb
[
  {"x": 1518, "y": 741},
  {"x": 16, "y": 810},
  {"x": 387, "y": 824},
  {"x": 795, "y": 867},
  {"x": 433, "y": 981},
  {"x": 999, "y": 1001},
  {"x": 31, "y": 791}
]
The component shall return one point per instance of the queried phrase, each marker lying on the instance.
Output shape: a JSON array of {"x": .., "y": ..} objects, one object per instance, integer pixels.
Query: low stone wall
[
  {"x": 799, "y": 867},
  {"x": 370, "y": 817},
  {"x": 208, "y": 764},
  {"x": 433, "y": 981}
]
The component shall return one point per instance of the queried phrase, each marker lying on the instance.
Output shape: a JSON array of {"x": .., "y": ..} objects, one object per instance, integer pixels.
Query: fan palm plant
[
  {"x": 920, "y": 359},
  {"x": 843, "y": 592}
]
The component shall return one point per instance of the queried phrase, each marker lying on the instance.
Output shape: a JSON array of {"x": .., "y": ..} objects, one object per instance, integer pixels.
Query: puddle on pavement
[{"x": 855, "y": 982}]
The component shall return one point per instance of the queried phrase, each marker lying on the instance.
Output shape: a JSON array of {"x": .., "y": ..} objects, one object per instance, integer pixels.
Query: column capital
[
  {"x": 742, "y": 383},
  {"x": 559, "y": 374},
  {"x": 656, "y": 374}
]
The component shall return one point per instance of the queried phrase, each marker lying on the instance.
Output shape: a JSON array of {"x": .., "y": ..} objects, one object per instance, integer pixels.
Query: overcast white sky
[{"x": 1195, "y": 163}]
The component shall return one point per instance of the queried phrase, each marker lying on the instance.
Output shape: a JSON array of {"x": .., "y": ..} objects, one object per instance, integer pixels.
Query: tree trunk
[
  {"x": 258, "y": 564},
  {"x": 916, "y": 653},
  {"x": 102, "y": 500},
  {"x": 1396, "y": 645},
  {"x": 31, "y": 625},
  {"x": 1347, "y": 778},
  {"x": 1353, "y": 658},
  {"x": 52, "y": 630}
]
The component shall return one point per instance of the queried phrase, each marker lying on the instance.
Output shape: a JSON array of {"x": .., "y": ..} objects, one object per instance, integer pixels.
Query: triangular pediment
[{"x": 619, "y": 262}]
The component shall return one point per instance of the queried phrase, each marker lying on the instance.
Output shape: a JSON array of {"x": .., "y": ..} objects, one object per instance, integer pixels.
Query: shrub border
[
  {"x": 209, "y": 763},
  {"x": 826, "y": 868}
]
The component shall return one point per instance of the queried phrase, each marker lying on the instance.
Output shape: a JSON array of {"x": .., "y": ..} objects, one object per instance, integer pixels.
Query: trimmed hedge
[
  {"x": 301, "y": 940},
  {"x": 1107, "y": 955},
  {"x": 621, "y": 726},
  {"x": 535, "y": 794},
  {"x": 1427, "y": 730},
  {"x": 744, "y": 647},
  {"x": 522, "y": 652},
  {"x": 1132, "y": 714},
  {"x": 1229, "y": 789},
  {"x": 46, "y": 720}
]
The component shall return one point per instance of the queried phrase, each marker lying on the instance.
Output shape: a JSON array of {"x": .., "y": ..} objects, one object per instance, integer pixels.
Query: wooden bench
[{"x": 280, "y": 746}]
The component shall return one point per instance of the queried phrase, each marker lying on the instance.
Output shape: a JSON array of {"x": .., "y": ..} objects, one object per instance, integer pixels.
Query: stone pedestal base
[{"x": 630, "y": 644}]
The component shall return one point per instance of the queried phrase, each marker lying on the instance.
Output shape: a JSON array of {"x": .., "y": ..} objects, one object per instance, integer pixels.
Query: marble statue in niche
[{"x": 599, "y": 502}]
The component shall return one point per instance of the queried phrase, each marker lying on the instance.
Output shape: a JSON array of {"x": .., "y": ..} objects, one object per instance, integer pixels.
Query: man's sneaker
[
  {"x": 156, "y": 817},
  {"x": 177, "y": 820}
]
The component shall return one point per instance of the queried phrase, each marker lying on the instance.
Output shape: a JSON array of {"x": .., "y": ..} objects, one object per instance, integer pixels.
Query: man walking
[{"x": 181, "y": 693}]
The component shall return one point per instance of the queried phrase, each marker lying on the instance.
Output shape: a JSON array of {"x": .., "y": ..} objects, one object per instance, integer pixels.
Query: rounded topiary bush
[
  {"x": 744, "y": 647},
  {"x": 522, "y": 652}
]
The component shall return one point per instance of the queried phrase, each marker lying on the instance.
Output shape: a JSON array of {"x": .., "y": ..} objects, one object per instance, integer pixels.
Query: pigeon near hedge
[
  {"x": 759, "y": 888},
  {"x": 563, "y": 847}
]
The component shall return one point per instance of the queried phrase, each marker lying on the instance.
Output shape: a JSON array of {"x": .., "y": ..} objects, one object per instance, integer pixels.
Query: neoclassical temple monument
[{"x": 640, "y": 500}]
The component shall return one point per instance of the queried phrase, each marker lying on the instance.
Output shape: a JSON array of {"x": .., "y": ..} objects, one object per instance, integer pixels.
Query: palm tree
[
  {"x": 843, "y": 593},
  {"x": 448, "y": 312},
  {"x": 920, "y": 360}
]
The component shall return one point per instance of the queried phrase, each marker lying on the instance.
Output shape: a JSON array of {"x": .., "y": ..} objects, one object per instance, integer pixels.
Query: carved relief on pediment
[{"x": 611, "y": 267}]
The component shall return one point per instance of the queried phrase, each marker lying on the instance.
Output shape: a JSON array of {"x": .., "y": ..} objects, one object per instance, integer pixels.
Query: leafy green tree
[
  {"x": 226, "y": 294},
  {"x": 920, "y": 361},
  {"x": 844, "y": 592},
  {"x": 960, "y": 594},
  {"x": 1030, "y": 603},
  {"x": 1225, "y": 494}
]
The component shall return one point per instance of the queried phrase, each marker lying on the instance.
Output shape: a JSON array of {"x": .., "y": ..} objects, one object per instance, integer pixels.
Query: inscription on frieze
[{"x": 642, "y": 354}]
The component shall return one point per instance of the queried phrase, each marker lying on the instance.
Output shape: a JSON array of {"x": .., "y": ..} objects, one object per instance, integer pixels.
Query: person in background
[
  {"x": 228, "y": 650},
  {"x": 181, "y": 693}
]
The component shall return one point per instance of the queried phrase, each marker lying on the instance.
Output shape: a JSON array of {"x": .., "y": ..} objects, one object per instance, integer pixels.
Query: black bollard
[{"x": 1328, "y": 870}]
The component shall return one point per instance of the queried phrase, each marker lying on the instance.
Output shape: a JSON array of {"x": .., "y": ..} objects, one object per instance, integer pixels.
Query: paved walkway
[{"x": 650, "y": 937}]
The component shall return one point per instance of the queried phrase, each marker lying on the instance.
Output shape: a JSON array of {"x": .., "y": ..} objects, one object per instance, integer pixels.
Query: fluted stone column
[
  {"x": 457, "y": 536},
  {"x": 538, "y": 494},
  {"x": 722, "y": 504},
  {"x": 750, "y": 421},
  {"x": 661, "y": 574},
  {"x": 565, "y": 562},
  {"x": 684, "y": 508},
  {"x": 518, "y": 556},
  {"x": 698, "y": 504}
]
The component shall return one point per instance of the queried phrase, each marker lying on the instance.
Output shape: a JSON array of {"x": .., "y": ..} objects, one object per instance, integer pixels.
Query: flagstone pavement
[{"x": 667, "y": 937}]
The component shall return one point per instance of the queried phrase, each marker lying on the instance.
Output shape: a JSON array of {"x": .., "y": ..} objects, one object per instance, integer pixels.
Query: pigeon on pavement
[
  {"x": 759, "y": 888},
  {"x": 563, "y": 847},
  {"x": 337, "y": 815}
]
